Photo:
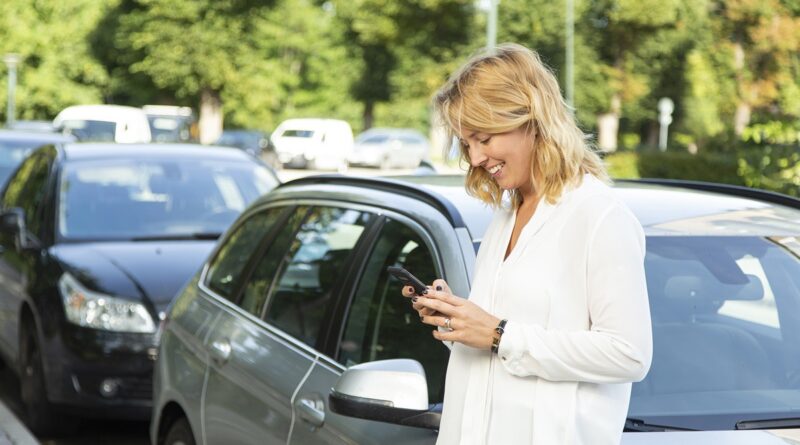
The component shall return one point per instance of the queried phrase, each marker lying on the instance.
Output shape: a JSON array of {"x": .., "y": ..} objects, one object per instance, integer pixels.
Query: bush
[
  {"x": 622, "y": 165},
  {"x": 770, "y": 167},
  {"x": 710, "y": 167}
]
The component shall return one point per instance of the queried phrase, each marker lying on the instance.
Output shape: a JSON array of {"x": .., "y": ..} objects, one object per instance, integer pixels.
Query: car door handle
[
  {"x": 220, "y": 351},
  {"x": 311, "y": 411}
]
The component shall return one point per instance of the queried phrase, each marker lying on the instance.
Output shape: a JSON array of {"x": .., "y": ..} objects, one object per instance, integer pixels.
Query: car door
[
  {"x": 378, "y": 324},
  {"x": 27, "y": 190},
  {"x": 263, "y": 350}
]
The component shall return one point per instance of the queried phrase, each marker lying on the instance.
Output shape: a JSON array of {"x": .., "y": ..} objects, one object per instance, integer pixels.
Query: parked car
[
  {"x": 323, "y": 144},
  {"x": 16, "y": 144},
  {"x": 169, "y": 123},
  {"x": 33, "y": 125},
  {"x": 296, "y": 300},
  {"x": 104, "y": 123},
  {"x": 390, "y": 148},
  {"x": 95, "y": 240},
  {"x": 255, "y": 142}
]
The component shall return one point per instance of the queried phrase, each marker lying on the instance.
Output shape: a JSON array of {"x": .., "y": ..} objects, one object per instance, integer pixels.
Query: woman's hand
[
  {"x": 468, "y": 323},
  {"x": 408, "y": 292}
]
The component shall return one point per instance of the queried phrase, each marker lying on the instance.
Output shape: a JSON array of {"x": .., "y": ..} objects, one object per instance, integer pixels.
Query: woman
[{"x": 557, "y": 324}]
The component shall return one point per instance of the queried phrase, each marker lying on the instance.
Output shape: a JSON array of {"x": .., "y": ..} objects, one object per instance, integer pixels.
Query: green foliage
[
  {"x": 57, "y": 68},
  {"x": 711, "y": 167},
  {"x": 622, "y": 165},
  {"x": 770, "y": 167}
]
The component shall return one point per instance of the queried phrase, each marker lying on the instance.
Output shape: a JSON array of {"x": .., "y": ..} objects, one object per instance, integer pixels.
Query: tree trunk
[
  {"x": 368, "y": 118},
  {"x": 210, "y": 116},
  {"x": 608, "y": 126},
  {"x": 742, "y": 117}
]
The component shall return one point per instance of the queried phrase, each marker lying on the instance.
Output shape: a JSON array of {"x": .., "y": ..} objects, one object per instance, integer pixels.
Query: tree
[
  {"x": 401, "y": 46},
  {"x": 57, "y": 68}
]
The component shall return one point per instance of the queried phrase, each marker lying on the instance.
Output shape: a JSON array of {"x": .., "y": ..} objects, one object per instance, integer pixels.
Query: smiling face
[{"x": 506, "y": 157}]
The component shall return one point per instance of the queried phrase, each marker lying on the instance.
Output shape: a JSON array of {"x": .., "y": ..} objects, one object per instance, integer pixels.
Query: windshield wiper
[
  {"x": 768, "y": 424},
  {"x": 182, "y": 236},
  {"x": 641, "y": 426}
]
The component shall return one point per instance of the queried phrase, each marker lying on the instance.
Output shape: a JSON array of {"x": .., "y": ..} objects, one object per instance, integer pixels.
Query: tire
[
  {"x": 40, "y": 415},
  {"x": 179, "y": 433}
]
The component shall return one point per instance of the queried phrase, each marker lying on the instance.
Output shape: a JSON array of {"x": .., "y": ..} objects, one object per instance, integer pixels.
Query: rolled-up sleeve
[{"x": 618, "y": 346}]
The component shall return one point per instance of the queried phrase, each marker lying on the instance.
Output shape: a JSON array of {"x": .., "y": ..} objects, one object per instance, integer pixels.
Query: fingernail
[
  {"x": 438, "y": 287},
  {"x": 421, "y": 317},
  {"x": 414, "y": 299},
  {"x": 425, "y": 292}
]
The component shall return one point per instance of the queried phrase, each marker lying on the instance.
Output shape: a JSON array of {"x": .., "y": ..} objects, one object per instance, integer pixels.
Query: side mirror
[
  {"x": 12, "y": 222},
  {"x": 391, "y": 391}
]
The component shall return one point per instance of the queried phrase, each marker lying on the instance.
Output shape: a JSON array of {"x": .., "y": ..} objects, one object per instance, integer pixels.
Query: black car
[
  {"x": 255, "y": 142},
  {"x": 16, "y": 144},
  {"x": 95, "y": 240}
]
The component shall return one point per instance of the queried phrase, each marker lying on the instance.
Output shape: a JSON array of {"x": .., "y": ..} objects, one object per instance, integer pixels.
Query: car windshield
[
  {"x": 11, "y": 154},
  {"x": 169, "y": 128},
  {"x": 90, "y": 130},
  {"x": 125, "y": 199},
  {"x": 725, "y": 328}
]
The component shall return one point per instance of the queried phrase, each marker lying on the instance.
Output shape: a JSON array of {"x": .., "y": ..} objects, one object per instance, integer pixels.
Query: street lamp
[
  {"x": 570, "y": 53},
  {"x": 11, "y": 60},
  {"x": 491, "y": 25}
]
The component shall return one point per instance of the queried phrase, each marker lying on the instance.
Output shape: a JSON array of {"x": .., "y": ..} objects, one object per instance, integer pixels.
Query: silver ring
[{"x": 447, "y": 323}]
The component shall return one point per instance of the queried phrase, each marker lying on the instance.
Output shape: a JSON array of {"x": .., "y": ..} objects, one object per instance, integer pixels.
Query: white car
[
  {"x": 390, "y": 148},
  {"x": 104, "y": 123},
  {"x": 323, "y": 144}
]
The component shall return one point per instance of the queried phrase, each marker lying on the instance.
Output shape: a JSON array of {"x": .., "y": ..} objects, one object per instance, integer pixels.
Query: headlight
[{"x": 100, "y": 311}]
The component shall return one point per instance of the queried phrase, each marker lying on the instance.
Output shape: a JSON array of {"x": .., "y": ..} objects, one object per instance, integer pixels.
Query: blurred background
[{"x": 692, "y": 89}]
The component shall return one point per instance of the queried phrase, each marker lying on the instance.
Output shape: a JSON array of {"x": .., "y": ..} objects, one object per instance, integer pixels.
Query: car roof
[
  {"x": 31, "y": 135},
  {"x": 100, "y": 150},
  {"x": 663, "y": 207},
  {"x": 98, "y": 112}
]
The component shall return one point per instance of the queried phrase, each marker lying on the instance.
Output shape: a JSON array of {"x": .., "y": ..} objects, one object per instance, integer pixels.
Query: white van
[
  {"x": 323, "y": 144},
  {"x": 107, "y": 123}
]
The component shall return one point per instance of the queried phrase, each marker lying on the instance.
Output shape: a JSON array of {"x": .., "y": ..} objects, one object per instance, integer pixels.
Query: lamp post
[
  {"x": 570, "y": 54},
  {"x": 491, "y": 25},
  {"x": 665, "y": 108},
  {"x": 11, "y": 60}
]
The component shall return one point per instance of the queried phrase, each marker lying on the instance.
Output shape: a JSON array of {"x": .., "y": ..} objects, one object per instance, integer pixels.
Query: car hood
[
  {"x": 763, "y": 437},
  {"x": 143, "y": 271}
]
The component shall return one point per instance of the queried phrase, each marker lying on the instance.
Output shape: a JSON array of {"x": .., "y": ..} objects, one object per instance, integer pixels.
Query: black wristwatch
[{"x": 501, "y": 327}]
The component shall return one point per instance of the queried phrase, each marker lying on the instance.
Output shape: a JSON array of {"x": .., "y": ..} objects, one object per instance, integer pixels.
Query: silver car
[
  {"x": 389, "y": 148},
  {"x": 294, "y": 333}
]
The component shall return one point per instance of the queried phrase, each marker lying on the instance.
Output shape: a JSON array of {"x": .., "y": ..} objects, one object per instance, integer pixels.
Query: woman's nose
[{"x": 476, "y": 156}]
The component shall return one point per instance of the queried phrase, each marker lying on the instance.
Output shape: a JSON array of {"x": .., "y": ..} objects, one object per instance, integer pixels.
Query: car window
[
  {"x": 227, "y": 266},
  {"x": 381, "y": 324},
  {"x": 28, "y": 187},
  {"x": 12, "y": 152},
  {"x": 316, "y": 257},
  {"x": 724, "y": 312},
  {"x": 260, "y": 283},
  {"x": 127, "y": 198},
  {"x": 90, "y": 130},
  {"x": 298, "y": 134}
]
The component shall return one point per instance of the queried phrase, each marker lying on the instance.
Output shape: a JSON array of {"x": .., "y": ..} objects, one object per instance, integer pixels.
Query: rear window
[
  {"x": 298, "y": 134},
  {"x": 87, "y": 130}
]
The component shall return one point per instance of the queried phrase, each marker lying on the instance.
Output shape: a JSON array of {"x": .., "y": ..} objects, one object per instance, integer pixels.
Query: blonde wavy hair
[{"x": 507, "y": 88}]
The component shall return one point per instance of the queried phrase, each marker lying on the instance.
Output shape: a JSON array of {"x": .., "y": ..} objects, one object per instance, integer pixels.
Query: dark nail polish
[
  {"x": 414, "y": 299},
  {"x": 425, "y": 292},
  {"x": 438, "y": 287}
]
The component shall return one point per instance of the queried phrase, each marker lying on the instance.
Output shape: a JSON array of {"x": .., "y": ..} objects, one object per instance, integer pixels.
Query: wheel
[
  {"x": 179, "y": 433},
  {"x": 40, "y": 415}
]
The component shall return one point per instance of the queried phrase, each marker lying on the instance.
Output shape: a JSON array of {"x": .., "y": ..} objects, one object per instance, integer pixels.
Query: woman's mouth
[{"x": 494, "y": 171}]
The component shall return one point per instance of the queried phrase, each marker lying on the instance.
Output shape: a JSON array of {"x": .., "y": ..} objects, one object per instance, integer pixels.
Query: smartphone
[{"x": 407, "y": 279}]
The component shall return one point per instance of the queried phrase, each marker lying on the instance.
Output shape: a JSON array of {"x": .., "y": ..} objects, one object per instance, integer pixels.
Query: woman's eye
[{"x": 486, "y": 141}]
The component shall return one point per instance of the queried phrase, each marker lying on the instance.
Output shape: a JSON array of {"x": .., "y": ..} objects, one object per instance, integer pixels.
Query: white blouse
[{"x": 574, "y": 294}]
